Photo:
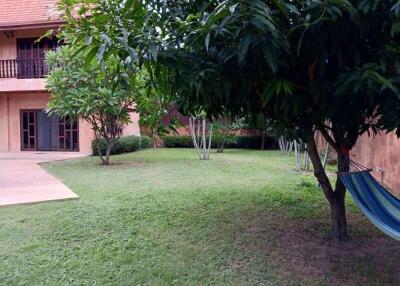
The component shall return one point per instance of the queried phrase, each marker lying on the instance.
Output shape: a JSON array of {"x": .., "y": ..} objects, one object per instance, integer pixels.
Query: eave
[{"x": 31, "y": 25}]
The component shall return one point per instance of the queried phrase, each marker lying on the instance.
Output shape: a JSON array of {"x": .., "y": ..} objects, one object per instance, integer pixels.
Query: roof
[{"x": 16, "y": 14}]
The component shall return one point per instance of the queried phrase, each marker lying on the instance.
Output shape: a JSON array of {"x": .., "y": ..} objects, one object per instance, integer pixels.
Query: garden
[
  {"x": 163, "y": 217},
  {"x": 211, "y": 209}
]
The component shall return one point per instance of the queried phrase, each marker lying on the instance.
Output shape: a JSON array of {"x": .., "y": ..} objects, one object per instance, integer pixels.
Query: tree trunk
[
  {"x": 338, "y": 216},
  {"x": 335, "y": 198},
  {"x": 221, "y": 146},
  {"x": 338, "y": 207},
  {"x": 110, "y": 145},
  {"x": 154, "y": 137},
  {"x": 263, "y": 141},
  {"x": 99, "y": 151}
]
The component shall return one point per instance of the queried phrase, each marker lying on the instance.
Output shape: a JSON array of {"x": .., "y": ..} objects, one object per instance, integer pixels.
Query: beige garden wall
[{"x": 382, "y": 151}]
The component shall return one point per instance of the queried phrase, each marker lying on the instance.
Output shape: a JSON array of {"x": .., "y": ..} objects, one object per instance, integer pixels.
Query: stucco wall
[
  {"x": 10, "y": 106},
  {"x": 382, "y": 151},
  {"x": 3, "y": 123},
  {"x": 22, "y": 85},
  {"x": 17, "y": 94},
  {"x": 8, "y": 51},
  {"x": 8, "y": 46}
]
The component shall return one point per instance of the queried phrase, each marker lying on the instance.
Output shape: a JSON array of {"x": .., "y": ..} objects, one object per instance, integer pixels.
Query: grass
[{"x": 163, "y": 217}]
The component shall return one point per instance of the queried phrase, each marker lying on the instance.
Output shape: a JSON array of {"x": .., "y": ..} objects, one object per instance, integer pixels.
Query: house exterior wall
[
  {"x": 8, "y": 51},
  {"x": 17, "y": 94},
  {"x": 10, "y": 123}
]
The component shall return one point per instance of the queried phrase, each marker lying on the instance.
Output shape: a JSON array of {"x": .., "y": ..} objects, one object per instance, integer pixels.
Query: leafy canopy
[
  {"x": 303, "y": 63},
  {"x": 80, "y": 91}
]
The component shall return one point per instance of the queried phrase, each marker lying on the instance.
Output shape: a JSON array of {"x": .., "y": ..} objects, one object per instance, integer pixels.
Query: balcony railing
[{"x": 23, "y": 68}]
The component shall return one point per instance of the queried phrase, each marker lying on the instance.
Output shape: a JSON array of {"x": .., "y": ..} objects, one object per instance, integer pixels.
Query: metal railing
[{"x": 23, "y": 68}]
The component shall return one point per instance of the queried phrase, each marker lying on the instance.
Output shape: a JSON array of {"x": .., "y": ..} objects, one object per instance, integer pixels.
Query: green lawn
[{"x": 163, "y": 217}]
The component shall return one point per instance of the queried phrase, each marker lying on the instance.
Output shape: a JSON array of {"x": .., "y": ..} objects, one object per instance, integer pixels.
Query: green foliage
[
  {"x": 224, "y": 132},
  {"x": 261, "y": 123},
  {"x": 255, "y": 142},
  {"x": 123, "y": 145},
  {"x": 120, "y": 37},
  {"x": 79, "y": 90},
  {"x": 240, "y": 142},
  {"x": 234, "y": 57},
  {"x": 223, "y": 140},
  {"x": 153, "y": 107},
  {"x": 270, "y": 63},
  {"x": 178, "y": 141},
  {"x": 330, "y": 65}
]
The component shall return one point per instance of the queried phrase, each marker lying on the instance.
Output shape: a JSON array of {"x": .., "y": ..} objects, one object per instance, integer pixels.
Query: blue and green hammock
[{"x": 379, "y": 206}]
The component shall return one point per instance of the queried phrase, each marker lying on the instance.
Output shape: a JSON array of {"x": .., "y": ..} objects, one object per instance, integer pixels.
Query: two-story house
[{"x": 24, "y": 126}]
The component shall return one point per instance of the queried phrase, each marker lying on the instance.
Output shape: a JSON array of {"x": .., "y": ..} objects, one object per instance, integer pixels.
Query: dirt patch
[{"x": 303, "y": 254}]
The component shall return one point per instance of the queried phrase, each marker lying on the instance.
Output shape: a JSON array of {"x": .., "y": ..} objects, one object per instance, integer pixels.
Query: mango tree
[{"x": 327, "y": 66}]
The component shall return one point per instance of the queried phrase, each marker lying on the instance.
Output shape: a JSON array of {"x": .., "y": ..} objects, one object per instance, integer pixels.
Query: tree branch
[{"x": 329, "y": 139}]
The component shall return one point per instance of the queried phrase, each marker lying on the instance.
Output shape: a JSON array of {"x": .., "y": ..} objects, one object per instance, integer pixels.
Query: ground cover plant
[{"x": 150, "y": 219}]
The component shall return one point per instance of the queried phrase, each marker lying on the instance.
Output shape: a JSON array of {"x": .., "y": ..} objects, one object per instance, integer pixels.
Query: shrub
[
  {"x": 243, "y": 142},
  {"x": 178, "y": 141},
  {"x": 222, "y": 141},
  {"x": 124, "y": 145},
  {"x": 254, "y": 142}
]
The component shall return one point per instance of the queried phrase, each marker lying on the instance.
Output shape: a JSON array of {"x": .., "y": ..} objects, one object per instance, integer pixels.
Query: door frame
[
  {"x": 31, "y": 62},
  {"x": 22, "y": 129},
  {"x": 35, "y": 111},
  {"x": 71, "y": 134}
]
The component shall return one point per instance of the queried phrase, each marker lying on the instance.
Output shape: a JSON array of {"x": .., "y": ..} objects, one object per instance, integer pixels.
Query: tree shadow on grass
[{"x": 301, "y": 252}]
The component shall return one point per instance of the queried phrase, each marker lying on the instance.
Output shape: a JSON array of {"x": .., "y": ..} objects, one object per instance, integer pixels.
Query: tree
[
  {"x": 124, "y": 31},
  {"x": 262, "y": 124},
  {"x": 201, "y": 132},
  {"x": 302, "y": 63},
  {"x": 225, "y": 131},
  {"x": 153, "y": 107},
  {"x": 78, "y": 91}
]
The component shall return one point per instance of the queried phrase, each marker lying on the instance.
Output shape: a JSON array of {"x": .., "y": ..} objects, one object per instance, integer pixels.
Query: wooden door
[
  {"x": 28, "y": 130},
  {"x": 44, "y": 131},
  {"x": 68, "y": 138}
]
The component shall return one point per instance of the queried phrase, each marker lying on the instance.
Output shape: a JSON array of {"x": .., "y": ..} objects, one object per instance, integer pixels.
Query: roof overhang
[{"x": 31, "y": 25}]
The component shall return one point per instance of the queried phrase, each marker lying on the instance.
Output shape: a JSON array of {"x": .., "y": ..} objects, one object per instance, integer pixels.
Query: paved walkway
[{"x": 23, "y": 181}]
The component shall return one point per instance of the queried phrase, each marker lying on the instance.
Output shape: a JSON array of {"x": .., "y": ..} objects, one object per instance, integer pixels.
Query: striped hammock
[{"x": 381, "y": 207}]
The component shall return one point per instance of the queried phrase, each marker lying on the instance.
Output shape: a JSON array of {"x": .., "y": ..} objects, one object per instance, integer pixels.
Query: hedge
[
  {"x": 178, "y": 141},
  {"x": 124, "y": 145},
  {"x": 243, "y": 142}
]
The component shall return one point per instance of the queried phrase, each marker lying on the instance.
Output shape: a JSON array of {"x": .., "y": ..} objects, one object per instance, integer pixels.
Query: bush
[
  {"x": 243, "y": 142},
  {"x": 254, "y": 142},
  {"x": 124, "y": 145},
  {"x": 180, "y": 141}
]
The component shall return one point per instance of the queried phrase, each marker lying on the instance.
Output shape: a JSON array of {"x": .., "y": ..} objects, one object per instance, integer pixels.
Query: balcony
[{"x": 23, "y": 68}]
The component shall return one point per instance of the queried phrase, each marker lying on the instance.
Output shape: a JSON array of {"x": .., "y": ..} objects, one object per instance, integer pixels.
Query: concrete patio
[{"x": 23, "y": 181}]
